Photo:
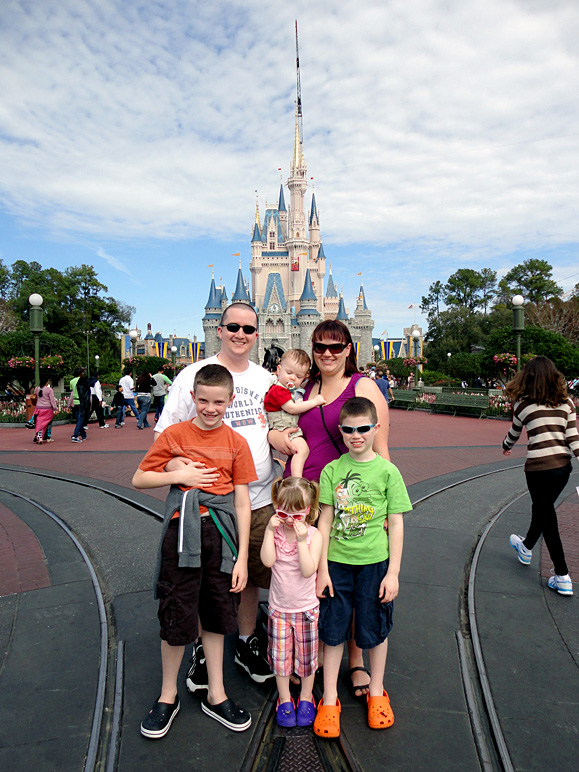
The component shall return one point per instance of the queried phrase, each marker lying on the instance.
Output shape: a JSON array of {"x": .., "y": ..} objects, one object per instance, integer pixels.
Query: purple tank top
[{"x": 322, "y": 449}]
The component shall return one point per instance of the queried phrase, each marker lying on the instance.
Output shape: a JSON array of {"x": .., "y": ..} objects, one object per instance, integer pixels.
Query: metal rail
[{"x": 332, "y": 754}]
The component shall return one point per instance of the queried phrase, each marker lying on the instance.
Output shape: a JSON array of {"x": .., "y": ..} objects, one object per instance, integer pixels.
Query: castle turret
[
  {"x": 282, "y": 212},
  {"x": 362, "y": 326},
  {"x": 211, "y": 320},
  {"x": 308, "y": 317}
]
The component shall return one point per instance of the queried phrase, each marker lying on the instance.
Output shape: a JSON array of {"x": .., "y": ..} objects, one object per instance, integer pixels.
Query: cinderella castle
[{"x": 288, "y": 266}]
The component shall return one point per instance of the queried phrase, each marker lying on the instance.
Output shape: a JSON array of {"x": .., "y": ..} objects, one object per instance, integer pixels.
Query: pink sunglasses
[{"x": 292, "y": 515}]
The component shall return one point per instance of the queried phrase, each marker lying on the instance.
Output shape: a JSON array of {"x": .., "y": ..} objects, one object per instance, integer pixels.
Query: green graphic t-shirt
[{"x": 363, "y": 494}]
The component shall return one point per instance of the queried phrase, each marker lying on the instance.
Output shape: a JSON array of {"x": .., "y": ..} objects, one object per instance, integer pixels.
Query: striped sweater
[{"x": 551, "y": 431}]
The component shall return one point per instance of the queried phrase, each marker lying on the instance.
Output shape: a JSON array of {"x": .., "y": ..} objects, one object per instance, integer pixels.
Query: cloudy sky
[{"x": 440, "y": 134}]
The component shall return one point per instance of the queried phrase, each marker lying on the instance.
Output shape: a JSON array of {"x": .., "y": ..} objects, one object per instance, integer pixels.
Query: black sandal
[{"x": 356, "y": 690}]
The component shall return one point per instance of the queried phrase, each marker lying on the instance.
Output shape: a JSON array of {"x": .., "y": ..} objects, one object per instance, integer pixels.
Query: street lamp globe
[
  {"x": 173, "y": 349},
  {"x": 133, "y": 334},
  {"x": 35, "y": 299},
  {"x": 518, "y": 300},
  {"x": 415, "y": 334}
]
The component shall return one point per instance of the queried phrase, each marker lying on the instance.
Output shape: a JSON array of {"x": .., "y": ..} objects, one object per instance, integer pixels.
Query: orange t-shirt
[{"x": 222, "y": 447}]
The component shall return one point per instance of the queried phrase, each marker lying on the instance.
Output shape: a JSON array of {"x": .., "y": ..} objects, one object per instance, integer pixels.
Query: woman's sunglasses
[
  {"x": 293, "y": 515},
  {"x": 360, "y": 429},
  {"x": 248, "y": 329},
  {"x": 334, "y": 348}
]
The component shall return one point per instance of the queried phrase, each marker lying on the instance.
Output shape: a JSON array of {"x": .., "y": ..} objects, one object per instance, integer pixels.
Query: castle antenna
[{"x": 299, "y": 93}]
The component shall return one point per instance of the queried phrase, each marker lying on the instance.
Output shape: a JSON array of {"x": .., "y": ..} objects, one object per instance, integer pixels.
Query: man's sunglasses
[
  {"x": 294, "y": 515},
  {"x": 248, "y": 329},
  {"x": 334, "y": 348},
  {"x": 360, "y": 429}
]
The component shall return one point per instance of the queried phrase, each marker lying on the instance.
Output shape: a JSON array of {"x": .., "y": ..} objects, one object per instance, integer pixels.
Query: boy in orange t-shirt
[{"x": 202, "y": 564}]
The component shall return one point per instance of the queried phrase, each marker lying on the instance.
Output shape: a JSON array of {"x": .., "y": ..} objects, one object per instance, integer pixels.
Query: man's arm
[
  {"x": 190, "y": 475},
  {"x": 281, "y": 441}
]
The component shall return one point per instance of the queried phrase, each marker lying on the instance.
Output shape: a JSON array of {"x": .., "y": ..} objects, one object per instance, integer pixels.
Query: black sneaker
[
  {"x": 249, "y": 657},
  {"x": 228, "y": 713},
  {"x": 197, "y": 677},
  {"x": 159, "y": 719}
]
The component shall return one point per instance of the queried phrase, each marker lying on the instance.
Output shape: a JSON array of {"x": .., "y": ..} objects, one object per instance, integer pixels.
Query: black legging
[{"x": 545, "y": 488}]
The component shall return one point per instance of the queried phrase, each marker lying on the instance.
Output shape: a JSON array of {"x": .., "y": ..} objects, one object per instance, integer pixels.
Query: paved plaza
[{"x": 49, "y": 629}]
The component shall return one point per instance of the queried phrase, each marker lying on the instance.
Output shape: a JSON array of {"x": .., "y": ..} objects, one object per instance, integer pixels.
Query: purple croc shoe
[
  {"x": 286, "y": 714},
  {"x": 306, "y": 713}
]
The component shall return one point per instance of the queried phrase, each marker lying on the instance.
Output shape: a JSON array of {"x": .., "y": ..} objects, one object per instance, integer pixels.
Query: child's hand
[
  {"x": 319, "y": 400},
  {"x": 388, "y": 588},
  {"x": 301, "y": 530},
  {"x": 196, "y": 475},
  {"x": 274, "y": 521},
  {"x": 506, "y": 452},
  {"x": 239, "y": 576},
  {"x": 323, "y": 581}
]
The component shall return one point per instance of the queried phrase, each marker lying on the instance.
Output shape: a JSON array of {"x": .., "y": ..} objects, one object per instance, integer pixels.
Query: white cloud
[{"x": 446, "y": 121}]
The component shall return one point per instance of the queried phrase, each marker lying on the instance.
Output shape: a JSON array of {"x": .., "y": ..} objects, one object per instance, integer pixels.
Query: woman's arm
[{"x": 367, "y": 388}]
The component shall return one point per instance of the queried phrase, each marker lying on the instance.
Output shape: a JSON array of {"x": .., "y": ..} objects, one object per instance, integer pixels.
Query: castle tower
[
  {"x": 211, "y": 320},
  {"x": 361, "y": 328},
  {"x": 331, "y": 300},
  {"x": 308, "y": 317}
]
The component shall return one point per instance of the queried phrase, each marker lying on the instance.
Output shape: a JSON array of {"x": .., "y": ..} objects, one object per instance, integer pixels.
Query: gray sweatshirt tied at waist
[{"x": 187, "y": 502}]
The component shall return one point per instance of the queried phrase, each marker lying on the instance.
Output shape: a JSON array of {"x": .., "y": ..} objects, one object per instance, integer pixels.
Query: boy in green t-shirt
[{"x": 363, "y": 497}]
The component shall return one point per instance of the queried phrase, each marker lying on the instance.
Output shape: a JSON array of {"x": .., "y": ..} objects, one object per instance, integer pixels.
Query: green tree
[
  {"x": 534, "y": 340},
  {"x": 463, "y": 288},
  {"x": 456, "y": 330},
  {"x": 488, "y": 288},
  {"x": 533, "y": 279},
  {"x": 431, "y": 303},
  {"x": 464, "y": 366}
]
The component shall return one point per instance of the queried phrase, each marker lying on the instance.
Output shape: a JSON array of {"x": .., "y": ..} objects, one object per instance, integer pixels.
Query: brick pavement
[
  {"x": 22, "y": 563},
  {"x": 422, "y": 445}
]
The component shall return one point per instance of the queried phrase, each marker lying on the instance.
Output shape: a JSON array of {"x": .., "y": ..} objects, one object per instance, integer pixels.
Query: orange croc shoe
[
  {"x": 380, "y": 715},
  {"x": 327, "y": 723}
]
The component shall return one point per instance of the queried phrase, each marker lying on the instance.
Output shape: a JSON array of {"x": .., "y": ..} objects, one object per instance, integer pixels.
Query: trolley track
[{"x": 270, "y": 743}]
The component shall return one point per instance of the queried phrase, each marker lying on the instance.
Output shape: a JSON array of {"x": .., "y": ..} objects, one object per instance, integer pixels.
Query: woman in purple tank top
[{"x": 335, "y": 376}]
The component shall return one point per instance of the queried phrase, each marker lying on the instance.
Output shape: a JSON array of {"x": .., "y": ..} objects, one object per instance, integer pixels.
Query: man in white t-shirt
[
  {"x": 238, "y": 334},
  {"x": 128, "y": 386}
]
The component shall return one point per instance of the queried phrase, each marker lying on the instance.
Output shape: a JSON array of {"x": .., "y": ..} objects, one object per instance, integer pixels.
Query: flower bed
[{"x": 15, "y": 412}]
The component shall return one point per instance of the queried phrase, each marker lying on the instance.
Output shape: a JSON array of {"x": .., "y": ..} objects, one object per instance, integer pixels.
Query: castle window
[
  {"x": 272, "y": 245},
  {"x": 183, "y": 350}
]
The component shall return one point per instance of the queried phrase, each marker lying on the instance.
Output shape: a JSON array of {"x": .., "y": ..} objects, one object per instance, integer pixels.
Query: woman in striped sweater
[{"x": 541, "y": 405}]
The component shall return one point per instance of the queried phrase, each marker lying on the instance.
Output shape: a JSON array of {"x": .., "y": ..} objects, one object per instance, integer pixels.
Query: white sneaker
[
  {"x": 561, "y": 584},
  {"x": 524, "y": 554},
  {"x": 104, "y": 426}
]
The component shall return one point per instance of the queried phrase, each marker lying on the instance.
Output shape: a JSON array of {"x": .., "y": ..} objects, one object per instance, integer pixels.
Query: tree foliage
[
  {"x": 478, "y": 319},
  {"x": 76, "y": 310}
]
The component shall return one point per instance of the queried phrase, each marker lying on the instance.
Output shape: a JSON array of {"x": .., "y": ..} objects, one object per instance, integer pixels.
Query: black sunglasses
[
  {"x": 360, "y": 429},
  {"x": 335, "y": 348},
  {"x": 248, "y": 329}
]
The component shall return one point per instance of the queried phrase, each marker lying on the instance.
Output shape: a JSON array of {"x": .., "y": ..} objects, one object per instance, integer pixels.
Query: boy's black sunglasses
[
  {"x": 335, "y": 348},
  {"x": 360, "y": 429},
  {"x": 248, "y": 329}
]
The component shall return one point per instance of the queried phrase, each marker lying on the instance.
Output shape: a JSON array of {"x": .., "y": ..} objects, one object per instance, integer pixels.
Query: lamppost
[
  {"x": 376, "y": 350},
  {"x": 416, "y": 339},
  {"x": 518, "y": 324},
  {"x": 96, "y": 364},
  {"x": 133, "y": 335},
  {"x": 36, "y": 327},
  {"x": 174, "y": 358}
]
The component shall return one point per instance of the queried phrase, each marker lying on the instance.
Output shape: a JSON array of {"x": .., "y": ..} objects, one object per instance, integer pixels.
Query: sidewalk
[{"x": 530, "y": 635}]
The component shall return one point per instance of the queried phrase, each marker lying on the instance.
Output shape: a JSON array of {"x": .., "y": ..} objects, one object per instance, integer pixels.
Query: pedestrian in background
[
  {"x": 44, "y": 412},
  {"x": 144, "y": 385},
  {"x": 160, "y": 384},
  {"x": 81, "y": 407},
  {"x": 542, "y": 406},
  {"x": 96, "y": 396}
]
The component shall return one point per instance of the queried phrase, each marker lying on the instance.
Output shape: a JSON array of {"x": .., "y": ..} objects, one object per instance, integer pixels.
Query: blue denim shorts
[{"x": 356, "y": 589}]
